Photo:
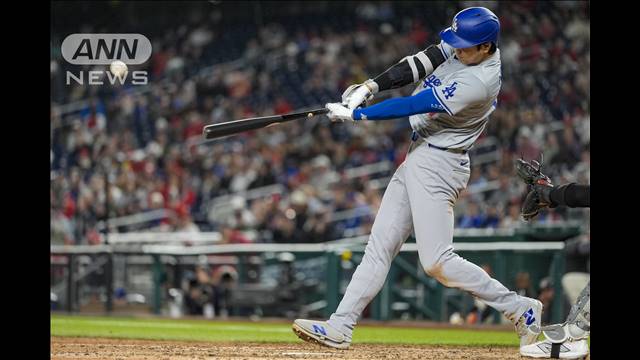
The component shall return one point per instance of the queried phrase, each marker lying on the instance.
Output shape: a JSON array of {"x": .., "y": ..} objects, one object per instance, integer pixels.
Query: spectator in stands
[
  {"x": 284, "y": 228},
  {"x": 523, "y": 284},
  {"x": 473, "y": 218},
  {"x": 185, "y": 222},
  {"x": 491, "y": 220},
  {"x": 512, "y": 220},
  {"x": 231, "y": 235}
]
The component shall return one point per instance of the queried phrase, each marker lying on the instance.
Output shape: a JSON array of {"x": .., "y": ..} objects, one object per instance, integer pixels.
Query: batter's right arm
[
  {"x": 407, "y": 71},
  {"x": 412, "y": 68}
]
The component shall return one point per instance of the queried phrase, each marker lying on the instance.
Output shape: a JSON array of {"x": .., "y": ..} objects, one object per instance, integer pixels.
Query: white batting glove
[
  {"x": 357, "y": 94},
  {"x": 338, "y": 112}
]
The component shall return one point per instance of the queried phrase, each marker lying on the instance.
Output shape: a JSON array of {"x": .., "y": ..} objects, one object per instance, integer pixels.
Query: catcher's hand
[{"x": 538, "y": 198}]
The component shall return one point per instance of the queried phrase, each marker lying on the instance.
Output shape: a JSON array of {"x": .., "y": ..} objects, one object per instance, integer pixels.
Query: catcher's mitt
[{"x": 538, "y": 198}]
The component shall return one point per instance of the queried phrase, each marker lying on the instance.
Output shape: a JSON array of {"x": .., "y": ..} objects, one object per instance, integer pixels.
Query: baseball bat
[{"x": 215, "y": 131}]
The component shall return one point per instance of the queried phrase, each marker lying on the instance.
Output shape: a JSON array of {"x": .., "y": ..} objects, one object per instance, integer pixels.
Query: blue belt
[{"x": 456, "y": 151}]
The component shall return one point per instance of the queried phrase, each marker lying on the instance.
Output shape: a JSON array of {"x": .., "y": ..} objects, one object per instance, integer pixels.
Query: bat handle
[{"x": 309, "y": 114}]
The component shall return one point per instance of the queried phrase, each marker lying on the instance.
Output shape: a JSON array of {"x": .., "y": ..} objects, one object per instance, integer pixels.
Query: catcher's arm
[{"x": 544, "y": 194}]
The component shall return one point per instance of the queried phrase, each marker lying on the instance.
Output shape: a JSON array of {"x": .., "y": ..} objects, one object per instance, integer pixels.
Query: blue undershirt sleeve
[{"x": 421, "y": 103}]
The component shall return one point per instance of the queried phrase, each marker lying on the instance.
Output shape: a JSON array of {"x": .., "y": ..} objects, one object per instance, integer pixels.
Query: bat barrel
[{"x": 233, "y": 127}]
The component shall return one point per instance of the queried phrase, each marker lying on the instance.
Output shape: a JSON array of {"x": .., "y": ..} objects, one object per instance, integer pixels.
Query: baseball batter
[{"x": 459, "y": 81}]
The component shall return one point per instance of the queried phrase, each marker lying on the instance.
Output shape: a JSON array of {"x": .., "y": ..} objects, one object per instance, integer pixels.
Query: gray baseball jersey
[
  {"x": 422, "y": 193},
  {"x": 467, "y": 93}
]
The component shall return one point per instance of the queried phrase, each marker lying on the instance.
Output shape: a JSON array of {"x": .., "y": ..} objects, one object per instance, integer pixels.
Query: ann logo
[
  {"x": 431, "y": 81},
  {"x": 449, "y": 90},
  {"x": 454, "y": 26},
  {"x": 103, "y": 49}
]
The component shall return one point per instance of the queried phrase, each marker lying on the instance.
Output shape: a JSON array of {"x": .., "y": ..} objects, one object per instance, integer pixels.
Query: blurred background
[{"x": 148, "y": 217}]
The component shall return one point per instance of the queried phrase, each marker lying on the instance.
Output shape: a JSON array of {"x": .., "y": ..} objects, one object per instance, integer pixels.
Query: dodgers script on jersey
[{"x": 468, "y": 94}]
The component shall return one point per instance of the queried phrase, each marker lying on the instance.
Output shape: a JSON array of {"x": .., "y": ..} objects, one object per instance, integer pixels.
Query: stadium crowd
[{"x": 143, "y": 146}]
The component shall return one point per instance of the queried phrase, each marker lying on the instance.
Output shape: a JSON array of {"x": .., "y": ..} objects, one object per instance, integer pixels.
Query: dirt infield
[{"x": 121, "y": 349}]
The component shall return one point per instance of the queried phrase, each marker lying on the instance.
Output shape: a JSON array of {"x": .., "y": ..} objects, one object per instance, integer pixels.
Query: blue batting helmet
[{"x": 472, "y": 26}]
